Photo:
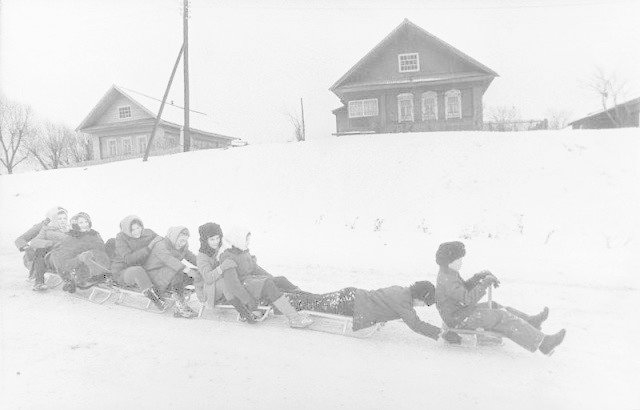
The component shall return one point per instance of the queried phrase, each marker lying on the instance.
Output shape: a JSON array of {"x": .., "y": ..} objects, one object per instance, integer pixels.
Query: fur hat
[
  {"x": 74, "y": 220},
  {"x": 424, "y": 290},
  {"x": 449, "y": 252},
  {"x": 207, "y": 231},
  {"x": 125, "y": 224}
]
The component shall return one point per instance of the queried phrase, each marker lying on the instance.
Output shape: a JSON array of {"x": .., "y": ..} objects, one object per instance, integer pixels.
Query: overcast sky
[{"x": 251, "y": 61}]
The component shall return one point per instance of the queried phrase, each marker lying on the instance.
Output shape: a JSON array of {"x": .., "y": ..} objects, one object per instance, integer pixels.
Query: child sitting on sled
[
  {"x": 48, "y": 238},
  {"x": 22, "y": 242},
  {"x": 368, "y": 307},
  {"x": 80, "y": 257},
  {"x": 245, "y": 284},
  {"x": 457, "y": 302}
]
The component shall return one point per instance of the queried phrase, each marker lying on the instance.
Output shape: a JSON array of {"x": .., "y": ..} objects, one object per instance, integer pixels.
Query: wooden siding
[
  {"x": 433, "y": 60},
  {"x": 111, "y": 116}
]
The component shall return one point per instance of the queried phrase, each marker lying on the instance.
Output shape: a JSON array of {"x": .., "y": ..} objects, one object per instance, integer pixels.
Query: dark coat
[
  {"x": 23, "y": 240},
  {"x": 165, "y": 260},
  {"x": 65, "y": 256},
  {"x": 251, "y": 276},
  {"x": 455, "y": 298},
  {"x": 383, "y": 305},
  {"x": 131, "y": 251}
]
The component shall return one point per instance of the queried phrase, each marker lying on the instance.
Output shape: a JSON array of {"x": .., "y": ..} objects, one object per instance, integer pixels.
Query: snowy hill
[{"x": 553, "y": 214}]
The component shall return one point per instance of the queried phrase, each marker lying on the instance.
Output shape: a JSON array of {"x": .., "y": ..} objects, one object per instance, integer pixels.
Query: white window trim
[
  {"x": 362, "y": 104},
  {"x": 429, "y": 95},
  {"x": 405, "y": 97},
  {"x": 448, "y": 113},
  {"x": 408, "y": 54},
  {"x": 130, "y": 145},
  {"x": 119, "y": 112},
  {"x": 108, "y": 143}
]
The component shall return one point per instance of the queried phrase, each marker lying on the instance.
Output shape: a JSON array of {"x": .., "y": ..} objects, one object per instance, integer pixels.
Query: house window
[
  {"x": 142, "y": 143},
  {"x": 405, "y": 108},
  {"x": 127, "y": 148},
  {"x": 429, "y": 106},
  {"x": 124, "y": 112},
  {"x": 363, "y": 108},
  {"x": 112, "y": 147},
  {"x": 408, "y": 62},
  {"x": 453, "y": 104}
]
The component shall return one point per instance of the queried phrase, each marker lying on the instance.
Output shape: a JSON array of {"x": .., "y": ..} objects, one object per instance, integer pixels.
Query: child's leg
[{"x": 507, "y": 324}]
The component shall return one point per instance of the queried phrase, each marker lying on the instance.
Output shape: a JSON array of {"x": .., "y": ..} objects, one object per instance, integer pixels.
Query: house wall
[
  {"x": 111, "y": 114},
  {"x": 629, "y": 117},
  {"x": 434, "y": 59},
  {"x": 165, "y": 139},
  {"x": 387, "y": 119},
  {"x": 200, "y": 141}
]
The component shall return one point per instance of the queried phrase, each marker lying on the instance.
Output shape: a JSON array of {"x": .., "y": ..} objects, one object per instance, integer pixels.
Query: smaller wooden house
[
  {"x": 412, "y": 81},
  {"x": 121, "y": 123},
  {"x": 623, "y": 115}
]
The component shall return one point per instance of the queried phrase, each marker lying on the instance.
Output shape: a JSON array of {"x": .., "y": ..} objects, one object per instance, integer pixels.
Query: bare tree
[
  {"x": 50, "y": 145},
  {"x": 611, "y": 90},
  {"x": 296, "y": 122},
  {"x": 16, "y": 128},
  {"x": 558, "y": 119},
  {"x": 504, "y": 117},
  {"x": 80, "y": 147}
]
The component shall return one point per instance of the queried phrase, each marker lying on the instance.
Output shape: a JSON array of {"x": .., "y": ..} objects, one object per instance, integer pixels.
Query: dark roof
[
  {"x": 595, "y": 114},
  {"x": 407, "y": 23}
]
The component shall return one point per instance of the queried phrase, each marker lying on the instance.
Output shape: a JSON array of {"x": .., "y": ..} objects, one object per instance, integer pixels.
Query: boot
[
  {"x": 181, "y": 308},
  {"x": 39, "y": 287},
  {"x": 296, "y": 319},
  {"x": 69, "y": 285},
  {"x": 153, "y": 296},
  {"x": 536, "y": 321},
  {"x": 549, "y": 343},
  {"x": 246, "y": 315}
]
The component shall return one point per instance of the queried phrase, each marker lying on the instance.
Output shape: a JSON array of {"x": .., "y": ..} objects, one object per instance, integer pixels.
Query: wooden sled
[
  {"x": 338, "y": 324},
  {"x": 219, "y": 311},
  {"x": 476, "y": 337}
]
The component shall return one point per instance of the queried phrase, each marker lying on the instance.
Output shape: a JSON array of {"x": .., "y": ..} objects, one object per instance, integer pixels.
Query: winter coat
[
  {"x": 131, "y": 251},
  {"x": 65, "y": 256},
  {"x": 209, "y": 268},
  {"x": 383, "y": 305},
  {"x": 455, "y": 298},
  {"x": 251, "y": 277},
  {"x": 165, "y": 260},
  {"x": 24, "y": 239},
  {"x": 50, "y": 236}
]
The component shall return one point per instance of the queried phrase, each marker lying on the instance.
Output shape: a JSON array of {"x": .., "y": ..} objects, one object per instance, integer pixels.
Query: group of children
[{"x": 154, "y": 265}]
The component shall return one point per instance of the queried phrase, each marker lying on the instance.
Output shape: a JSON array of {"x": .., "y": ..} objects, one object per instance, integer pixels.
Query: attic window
[
  {"x": 408, "y": 62},
  {"x": 124, "y": 112}
]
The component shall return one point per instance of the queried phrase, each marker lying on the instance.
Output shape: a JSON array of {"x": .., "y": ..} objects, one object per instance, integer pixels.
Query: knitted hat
[
  {"x": 174, "y": 232},
  {"x": 74, "y": 220},
  {"x": 424, "y": 290},
  {"x": 207, "y": 231},
  {"x": 449, "y": 252},
  {"x": 55, "y": 211}
]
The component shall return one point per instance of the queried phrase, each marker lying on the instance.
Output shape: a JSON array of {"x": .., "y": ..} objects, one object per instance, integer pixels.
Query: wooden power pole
[
  {"x": 304, "y": 133},
  {"x": 185, "y": 33}
]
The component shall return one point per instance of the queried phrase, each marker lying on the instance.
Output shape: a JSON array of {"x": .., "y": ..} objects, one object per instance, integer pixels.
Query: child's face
[
  {"x": 83, "y": 224},
  {"x": 136, "y": 231},
  {"x": 214, "y": 241},
  {"x": 61, "y": 221},
  {"x": 456, "y": 265},
  {"x": 182, "y": 240}
]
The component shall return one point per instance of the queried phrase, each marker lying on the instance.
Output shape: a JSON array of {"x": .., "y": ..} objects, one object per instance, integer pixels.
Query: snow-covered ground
[{"x": 553, "y": 214}]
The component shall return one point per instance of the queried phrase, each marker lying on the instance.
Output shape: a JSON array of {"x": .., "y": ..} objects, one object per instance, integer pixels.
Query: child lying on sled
[
  {"x": 457, "y": 302},
  {"x": 368, "y": 307},
  {"x": 237, "y": 279}
]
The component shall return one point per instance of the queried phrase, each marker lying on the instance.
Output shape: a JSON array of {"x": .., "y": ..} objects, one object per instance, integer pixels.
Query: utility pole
[
  {"x": 304, "y": 133},
  {"x": 185, "y": 34}
]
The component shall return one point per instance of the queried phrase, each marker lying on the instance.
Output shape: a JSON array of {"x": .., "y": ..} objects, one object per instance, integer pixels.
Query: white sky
[{"x": 251, "y": 61}]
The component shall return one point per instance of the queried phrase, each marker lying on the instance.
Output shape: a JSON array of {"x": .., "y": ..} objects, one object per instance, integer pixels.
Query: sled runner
[
  {"x": 220, "y": 310},
  {"x": 337, "y": 324}
]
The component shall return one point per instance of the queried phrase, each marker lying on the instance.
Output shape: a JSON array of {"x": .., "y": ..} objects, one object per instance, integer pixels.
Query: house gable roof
[
  {"x": 410, "y": 25},
  {"x": 171, "y": 115},
  {"x": 626, "y": 104}
]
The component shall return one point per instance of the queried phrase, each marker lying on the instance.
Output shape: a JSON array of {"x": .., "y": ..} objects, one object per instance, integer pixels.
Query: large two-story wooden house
[
  {"x": 412, "y": 81},
  {"x": 121, "y": 122}
]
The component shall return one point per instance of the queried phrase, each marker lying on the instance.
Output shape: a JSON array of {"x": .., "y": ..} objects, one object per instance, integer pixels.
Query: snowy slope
[{"x": 553, "y": 214}]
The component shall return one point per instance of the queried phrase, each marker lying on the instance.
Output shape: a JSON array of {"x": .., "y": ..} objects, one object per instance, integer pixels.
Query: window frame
[
  {"x": 453, "y": 93},
  {"x": 115, "y": 147},
  {"x": 124, "y": 150},
  {"x": 405, "y": 97},
  {"x": 362, "y": 113},
  {"x": 429, "y": 95},
  {"x": 124, "y": 109},
  {"x": 400, "y": 56},
  {"x": 142, "y": 147}
]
